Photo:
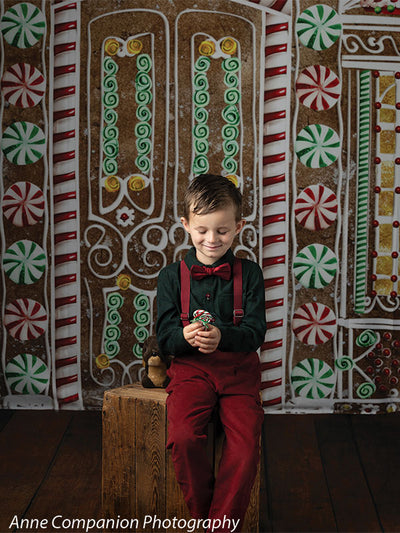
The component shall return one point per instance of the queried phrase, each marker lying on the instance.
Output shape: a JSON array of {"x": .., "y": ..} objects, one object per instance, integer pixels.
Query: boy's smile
[{"x": 212, "y": 234}]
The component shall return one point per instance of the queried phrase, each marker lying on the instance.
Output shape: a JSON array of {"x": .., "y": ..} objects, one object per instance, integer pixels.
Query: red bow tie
[{"x": 200, "y": 272}]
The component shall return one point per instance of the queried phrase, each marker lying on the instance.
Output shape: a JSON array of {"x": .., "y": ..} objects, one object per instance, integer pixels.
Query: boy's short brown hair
[{"x": 209, "y": 192}]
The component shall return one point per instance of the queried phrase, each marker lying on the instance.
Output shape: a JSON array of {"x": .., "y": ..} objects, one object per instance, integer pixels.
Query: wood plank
[
  {"x": 28, "y": 444},
  {"x": 298, "y": 495},
  {"x": 378, "y": 440},
  {"x": 150, "y": 460},
  {"x": 345, "y": 477},
  {"x": 5, "y": 415},
  {"x": 72, "y": 487},
  {"x": 264, "y": 513},
  {"x": 119, "y": 464}
]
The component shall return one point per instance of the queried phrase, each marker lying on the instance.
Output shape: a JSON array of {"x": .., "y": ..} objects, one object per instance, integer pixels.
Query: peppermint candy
[
  {"x": 23, "y": 204},
  {"x": 23, "y": 25},
  {"x": 25, "y": 319},
  {"x": 317, "y": 146},
  {"x": 318, "y": 27},
  {"x": 314, "y": 323},
  {"x": 23, "y": 85},
  {"x": 203, "y": 316},
  {"x": 23, "y": 143},
  {"x": 318, "y": 88},
  {"x": 24, "y": 262},
  {"x": 316, "y": 207},
  {"x": 313, "y": 378},
  {"x": 315, "y": 266},
  {"x": 27, "y": 374}
]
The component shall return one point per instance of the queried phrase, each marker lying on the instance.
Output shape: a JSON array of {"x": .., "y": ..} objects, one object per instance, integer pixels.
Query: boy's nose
[{"x": 212, "y": 236}]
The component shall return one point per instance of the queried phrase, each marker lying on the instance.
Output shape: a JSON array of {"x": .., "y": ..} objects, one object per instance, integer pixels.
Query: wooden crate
[{"x": 138, "y": 475}]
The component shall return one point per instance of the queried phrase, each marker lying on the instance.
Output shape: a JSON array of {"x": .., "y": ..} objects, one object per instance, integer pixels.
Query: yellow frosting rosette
[
  {"x": 136, "y": 183},
  {"x": 233, "y": 178},
  {"x": 229, "y": 46},
  {"x": 112, "y": 184},
  {"x": 134, "y": 46},
  {"x": 207, "y": 48},
  {"x": 102, "y": 361},
  {"x": 123, "y": 281},
  {"x": 111, "y": 47}
]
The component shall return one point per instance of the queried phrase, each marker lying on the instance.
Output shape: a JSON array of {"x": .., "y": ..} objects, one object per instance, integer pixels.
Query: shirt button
[{"x": 208, "y": 296}]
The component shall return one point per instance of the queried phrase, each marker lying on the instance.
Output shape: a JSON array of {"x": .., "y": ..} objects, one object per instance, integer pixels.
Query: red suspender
[
  {"x": 185, "y": 293},
  {"x": 238, "y": 312}
]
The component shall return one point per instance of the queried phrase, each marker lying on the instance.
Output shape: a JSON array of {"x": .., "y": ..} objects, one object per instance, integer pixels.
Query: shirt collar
[{"x": 191, "y": 259}]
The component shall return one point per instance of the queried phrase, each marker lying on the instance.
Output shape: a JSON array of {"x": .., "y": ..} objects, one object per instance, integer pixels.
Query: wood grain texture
[{"x": 138, "y": 474}]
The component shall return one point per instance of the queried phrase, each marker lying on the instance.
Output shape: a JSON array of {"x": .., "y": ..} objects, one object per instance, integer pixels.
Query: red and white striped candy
[
  {"x": 23, "y": 204},
  {"x": 23, "y": 85},
  {"x": 314, "y": 323},
  {"x": 316, "y": 207},
  {"x": 25, "y": 319},
  {"x": 318, "y": 87}
]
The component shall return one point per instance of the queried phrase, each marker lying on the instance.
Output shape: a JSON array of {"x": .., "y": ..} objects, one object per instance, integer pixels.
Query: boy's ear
[
  {"x": 239, "y": 226},
  {"x": 185, "y": 224}
]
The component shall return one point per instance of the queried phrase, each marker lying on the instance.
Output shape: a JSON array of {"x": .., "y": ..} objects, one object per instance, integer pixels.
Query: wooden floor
[{"x": 320, "y": 473}]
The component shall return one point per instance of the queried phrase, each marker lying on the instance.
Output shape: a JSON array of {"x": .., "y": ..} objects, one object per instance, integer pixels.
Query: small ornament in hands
[{"x": 204, "y": 317}]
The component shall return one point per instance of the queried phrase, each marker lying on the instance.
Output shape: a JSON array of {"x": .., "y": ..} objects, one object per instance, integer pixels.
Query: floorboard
[
  {"x": 72, "y": 487},
  {"x": 320, "y": 473},
  {"x": 28, "y": 444},
  {"x": 352, "y": 502},
  {"x": 298, "y": 495},
  {"x": 378, "y": 441}
]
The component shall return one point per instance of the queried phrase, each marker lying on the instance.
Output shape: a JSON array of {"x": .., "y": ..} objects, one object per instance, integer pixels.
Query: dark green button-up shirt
[{"x": 214, "y": 295}]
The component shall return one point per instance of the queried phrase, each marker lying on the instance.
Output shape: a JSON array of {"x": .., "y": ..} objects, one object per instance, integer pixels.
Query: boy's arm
[
  {"x": 169, "y": 328},
  {"x": 250, "y": 334}
]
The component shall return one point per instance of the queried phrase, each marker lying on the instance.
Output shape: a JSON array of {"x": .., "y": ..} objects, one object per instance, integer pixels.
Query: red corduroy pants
[{"x": 230, "y": 383}]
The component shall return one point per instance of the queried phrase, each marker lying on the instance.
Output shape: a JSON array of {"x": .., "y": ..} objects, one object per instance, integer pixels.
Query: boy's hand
[
  {"x": 207, "y": 340},
  {"x": 190, "y": 332}
]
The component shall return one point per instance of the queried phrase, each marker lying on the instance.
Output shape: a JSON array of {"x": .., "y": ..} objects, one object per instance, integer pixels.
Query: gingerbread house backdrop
[{"x": 109, "y": 107}]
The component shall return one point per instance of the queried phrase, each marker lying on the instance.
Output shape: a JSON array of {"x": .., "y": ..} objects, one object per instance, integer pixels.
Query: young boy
[{"x": 216, "y": 364}]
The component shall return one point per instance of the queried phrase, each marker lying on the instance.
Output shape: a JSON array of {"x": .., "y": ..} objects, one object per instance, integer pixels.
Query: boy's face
[{"x": 212, "y": 234}]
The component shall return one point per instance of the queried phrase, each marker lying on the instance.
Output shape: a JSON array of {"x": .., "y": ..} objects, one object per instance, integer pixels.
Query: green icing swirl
[
  {"x": 344, "y": 363},
  {"x": 231, "y": 148},
  {"x": 201, "y": 98},
  {"x": 231, "y": 115},
  {"x": 111, "y": 348},
  {"x": 200, "y": 164},
  {"x": 110, "y": 148},
  {"x": 144, "y": 63},
  {"x": 110, "y": 166},
  {"x": 143, "y": 113},
  {"x": 201, "y": 115},
  {"x": 143, "y": 97},
  {"x": 365, "y": 390},
  {"x": 110, "y": 67},
  {"x": 115, "y": 300},
  {"x": 113, "y": 317},
  {"x": 201, "y": 146},
  {"x": 366, "y": 338},
  {"x": 200, "y": 82},
  {"x": 231, "y": 80},
  {"x": 110, "y": 116},
  {"x": 110, "y": 132},
  {"x": 202, "y": 64},
  {"x": 231, "y": 64},
  {"x": 230, "y": 165}
]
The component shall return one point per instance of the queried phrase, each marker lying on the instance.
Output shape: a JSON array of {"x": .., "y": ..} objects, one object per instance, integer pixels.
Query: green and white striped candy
[
  {"x": 315, "y": 266},
  {"x": 317, "y": 146},
  {"x": 24, "y": 262},
  {"x": 27, "y": 374},
  {"x": 23, "y": 25},
  {"x": 318, "y": 27},
  {"x": 23, "y": 143},
  {"x": 313, "y": 378}
]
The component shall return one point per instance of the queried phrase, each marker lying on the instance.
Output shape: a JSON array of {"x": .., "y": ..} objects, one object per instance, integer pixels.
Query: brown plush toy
[{"x": 155, "y": 365}]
